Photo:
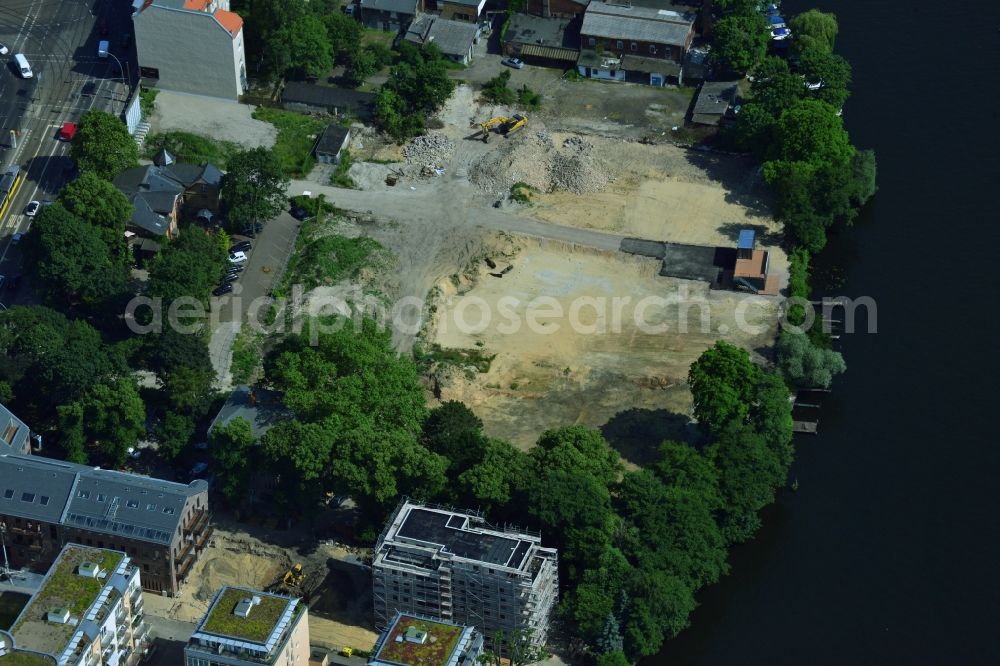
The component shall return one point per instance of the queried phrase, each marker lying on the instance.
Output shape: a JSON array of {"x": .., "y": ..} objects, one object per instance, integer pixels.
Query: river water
[{"x": 888, "y": 552}]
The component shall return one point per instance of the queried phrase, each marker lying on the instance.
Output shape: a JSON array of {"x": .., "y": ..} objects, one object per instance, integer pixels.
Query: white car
[
  {"x": 4, "y": 50},
  {"x": 32, "y": 208},
  {"x": 237, "y": 258},
  {"x": 780, "y": 34},
  {"x": 814, "y": 85}
]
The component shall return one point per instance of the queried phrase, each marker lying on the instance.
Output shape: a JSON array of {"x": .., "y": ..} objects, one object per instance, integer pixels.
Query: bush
[
  {"x": 806, "y": 364},
  {"x": 496, "y": 91},
  {"x": 296, "y": 136},
  {"x": 340, "y": 177},
  {"x": 192, "y": 148},
  {"x": 147, "y": 101},
  {"x": 528, "y": 98}
]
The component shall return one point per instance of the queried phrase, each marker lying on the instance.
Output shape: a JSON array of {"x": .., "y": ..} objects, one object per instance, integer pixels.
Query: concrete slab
[{"x": 211, "y": 117}]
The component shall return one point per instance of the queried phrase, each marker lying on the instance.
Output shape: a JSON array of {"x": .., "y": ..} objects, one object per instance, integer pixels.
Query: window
[
  {"x": 44, "y": 500},
  {"x": 652, "y": 49},
  {"x": 150, "y": 507},
  {"x": 7, "y": 494},
  {"x": 633, "y": 46},
  {"x": 592, "y": 41},
  {"x": 27, "y": 497},
  {"x": 619, "y": 45},
  {"x": 83, "y": 494},
  {"x": 169, "y": 510},
  {"x": 101, "y": 497},
  {"x": 132, "y": 504}
]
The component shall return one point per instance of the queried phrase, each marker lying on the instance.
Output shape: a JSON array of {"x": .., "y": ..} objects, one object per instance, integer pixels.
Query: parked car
[
  {"x": 103, "y": 47},
  {"x": 32, "y": 208},
  {"x": 4, "y": 50},
  {"x": 249, "y": 230},
  {"x": 237, "y": 258},
  {"x": 242, "y": 246},
  {"x": 776, "y": 21},
  {"x": 516, "y": 63},
  {"x": 89, "y": 89},
  {"x": 814, "y": 85},
  {"x": 15, "y": 239},
  {"x": 780, "y": 34},
  {"x": 230, "y": 277},
  {"x": 222, "y": 289}
]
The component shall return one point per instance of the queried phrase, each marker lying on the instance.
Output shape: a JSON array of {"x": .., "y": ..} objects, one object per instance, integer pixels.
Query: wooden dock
[{"x": 806, "y": 427}]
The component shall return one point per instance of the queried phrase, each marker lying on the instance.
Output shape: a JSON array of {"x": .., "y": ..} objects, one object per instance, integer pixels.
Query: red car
[{"x": 67, "y": 131}]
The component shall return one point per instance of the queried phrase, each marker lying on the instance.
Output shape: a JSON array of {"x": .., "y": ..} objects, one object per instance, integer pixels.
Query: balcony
[{"x": 199, "y": 520}]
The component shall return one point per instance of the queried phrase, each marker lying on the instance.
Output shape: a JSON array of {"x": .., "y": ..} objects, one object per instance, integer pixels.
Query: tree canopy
[
  {"x": 302, "y": 47},
  {"x": 103, "y": 145},
  {"x": 231, "y": 445},
  {"x": 99, "y": 203},
  {"x": 739, "y": 40},
  {"x": 814, "y": 30},
  {"x": 831, "y": 71},
  {"x": 254, "y": 186},
  {"x": 190, "y": 266},
  {"x": 722, "y": 382},
  {"x": 805, "y": 364},
  {"x": 417, "y": 84}
]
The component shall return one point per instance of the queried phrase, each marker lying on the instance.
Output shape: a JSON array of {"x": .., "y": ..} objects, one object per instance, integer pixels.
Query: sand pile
[{"x": 541, "y": 162}]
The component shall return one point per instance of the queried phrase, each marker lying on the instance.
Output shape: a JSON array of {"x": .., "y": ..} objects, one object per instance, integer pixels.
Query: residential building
[
  {"x": 715, "y": 102},
  {"x": 454, "y": 567},
  {"x": 191, "y": 46},
  {"x": 245, "y": 627},
  {"x": 45, "y": 504},
  {"x": 15, "y": 436},
  {"x": 640, "y": 44},
  {"x": 750, "y": 273},
  {"x": 557, "y": 8},
  {"x": 87, "y": 611},
  {"x": 461, "y": 10},
  {"x": 553, "y": 42},
  {"x": 389, "y": 15},
  {"x": 310, "y": 98},
  {"x": 411, "y": 640},
  {"x": 455, "y": 39},
  {"x": 331, "y": 144},
  {"x": 162, "y": 193}
]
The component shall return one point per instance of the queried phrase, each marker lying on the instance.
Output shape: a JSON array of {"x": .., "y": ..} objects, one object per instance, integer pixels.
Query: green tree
[
  {"x": 491, "y": 482},
  {"x": 810, "y": 131},
  {"x": 232, "y": 444},
  {"x": 453, "y": 431},
  {"x": 189, "y": 267},
  {"x": 805, "y": 364},
  {"x": 302, "y": 47},
  {"x": 72, "y": 440},
  {"x": 754, "y": 130},
  {"x": 814, "y": 30},
  {"x": 174, "y": 433},
  {"x": 253, "y": 187},
  {"x": 103, "y": 145},
  {"x": 616, "y": 658},
  {"x": 71, "y": 260},
  {"x": 774, "y": 87},
  {"x": 739, "y": 41},
  {"x": 863, "y": 170},
  {"x": 114, "y": 417},
  {"x": 344, "y": 32},
  {"x": 658, "y": 609},
  {"x": 682, "y": 467},
  {"x": 722, "y": 383},
  {"x": 362, "y": 63},
  {"x": 577, "y": 449},
  {"x": 419, "y": 83},
  {"x": 99, "y": 203},
  {"x": 300, "y": 453},
  {"x": 610, "y": 639},
  {"x": 831, "y": 71},
  {"x": 496, "y": 91},
  {"x": 597, "y": 593},
  {"x": 390, "y": 113}
]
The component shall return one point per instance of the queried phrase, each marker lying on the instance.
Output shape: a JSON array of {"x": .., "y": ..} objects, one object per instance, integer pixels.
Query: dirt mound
[
  {"x": 255, "y": 570},
  {"x": 544, "y": 163}
]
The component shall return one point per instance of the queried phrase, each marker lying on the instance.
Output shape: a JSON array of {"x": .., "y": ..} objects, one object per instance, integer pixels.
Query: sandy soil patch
[
  {"x": 211, "y": 117},
  {"x": 616, "y": 357}
]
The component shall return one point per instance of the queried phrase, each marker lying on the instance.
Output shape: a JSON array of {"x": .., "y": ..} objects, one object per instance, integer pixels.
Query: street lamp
[
  {"x": 3, "y": 542},
  {"x": 127, "y": 79}
]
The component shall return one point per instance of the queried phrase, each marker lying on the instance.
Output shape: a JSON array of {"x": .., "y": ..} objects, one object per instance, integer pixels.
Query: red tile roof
[
  {"x": 231, "y": 21},
  {"x": 197, "y": 5}
]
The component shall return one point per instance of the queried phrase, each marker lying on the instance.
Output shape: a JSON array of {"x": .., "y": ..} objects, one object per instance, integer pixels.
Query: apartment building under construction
[{"x": 455, "y": 567}]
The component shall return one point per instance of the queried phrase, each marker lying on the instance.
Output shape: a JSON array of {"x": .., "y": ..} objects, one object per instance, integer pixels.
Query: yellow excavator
[
  {"x": 293, "y": 577},
  {"x": 506, "y": 125}
]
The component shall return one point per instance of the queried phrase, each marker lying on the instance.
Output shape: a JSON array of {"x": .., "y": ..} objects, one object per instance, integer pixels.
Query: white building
[
  {"x": 86, "y": 612},
  {"x": 192, "y": 46}
]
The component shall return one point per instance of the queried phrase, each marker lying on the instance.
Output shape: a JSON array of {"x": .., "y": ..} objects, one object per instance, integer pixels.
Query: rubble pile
[
  {"x": 534, "y": 159},
  {"x": 429, "y": 149}
]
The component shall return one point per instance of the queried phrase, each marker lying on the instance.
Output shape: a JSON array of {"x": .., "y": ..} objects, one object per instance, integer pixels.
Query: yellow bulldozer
[
  {"x": 505, "y": 125},
  {"x": 293, "y": 577}
]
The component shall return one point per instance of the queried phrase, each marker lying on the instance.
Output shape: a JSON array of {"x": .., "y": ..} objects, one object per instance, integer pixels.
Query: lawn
[
  {"x": 257, "y": 627},
  {"x": 192, "y": 148},
  {"x": 440, "y": 643},
  {"x": 329, "y": 259},
  {"x": 18, "y": 658},
  {"x": 296, "y": 137}
]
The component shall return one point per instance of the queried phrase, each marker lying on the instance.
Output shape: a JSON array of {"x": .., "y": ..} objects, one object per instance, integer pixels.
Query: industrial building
[
  {"x": 87, "y": 612},
  {"x": 245, "y": 627},
  {"x": 453, "y": 566}
]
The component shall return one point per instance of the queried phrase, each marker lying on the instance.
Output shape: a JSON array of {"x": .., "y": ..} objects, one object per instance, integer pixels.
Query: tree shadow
[
  {"x": 764, "y": 236},
  {"x": 739, "y": 176},
  {"x": 637, "y": 433}
]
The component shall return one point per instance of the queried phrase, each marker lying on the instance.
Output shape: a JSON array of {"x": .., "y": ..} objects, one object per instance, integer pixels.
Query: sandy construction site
[{"x": 589, "y": 337}]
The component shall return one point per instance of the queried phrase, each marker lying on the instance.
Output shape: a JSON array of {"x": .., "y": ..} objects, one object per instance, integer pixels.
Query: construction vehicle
[
  {"x": 347, "y": 651},
  {"x": 293, "y": 577},
  {"x": 502, "y": 124}
]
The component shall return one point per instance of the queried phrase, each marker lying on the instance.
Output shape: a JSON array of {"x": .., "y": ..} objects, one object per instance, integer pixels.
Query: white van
[{"x": 23, "y": 66}]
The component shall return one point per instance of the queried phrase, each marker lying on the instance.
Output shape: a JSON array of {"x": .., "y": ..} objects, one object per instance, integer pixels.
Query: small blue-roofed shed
[{"x": 746, "y": 240}]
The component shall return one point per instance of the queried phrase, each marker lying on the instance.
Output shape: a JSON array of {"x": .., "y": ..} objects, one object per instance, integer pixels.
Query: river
[{"x": 887, "y": 553}]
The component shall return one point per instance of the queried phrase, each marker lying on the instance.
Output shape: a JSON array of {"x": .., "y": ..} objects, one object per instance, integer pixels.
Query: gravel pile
[
  {"x": 534, "y": 159},
  {"x": 429, "y": 149}
]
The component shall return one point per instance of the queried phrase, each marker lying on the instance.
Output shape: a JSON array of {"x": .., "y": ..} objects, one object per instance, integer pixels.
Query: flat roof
[
  {"x": 262, "y": 621},
  {"x": 436, "y": 650},
  {"x": 451, "y": 531},
  {"x": 63, "y": 588}
]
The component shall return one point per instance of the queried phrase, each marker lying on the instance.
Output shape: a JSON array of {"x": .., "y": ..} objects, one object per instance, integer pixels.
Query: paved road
[{"x": 59, "y": 38}]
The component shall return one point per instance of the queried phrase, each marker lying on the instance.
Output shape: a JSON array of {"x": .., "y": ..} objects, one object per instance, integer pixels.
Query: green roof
[
  {"x": 256, "y": 627},
  {"x": 435, "y": 651},
  {"x": 62, "y": 587},
  {"x": 18, "y": 658}
]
